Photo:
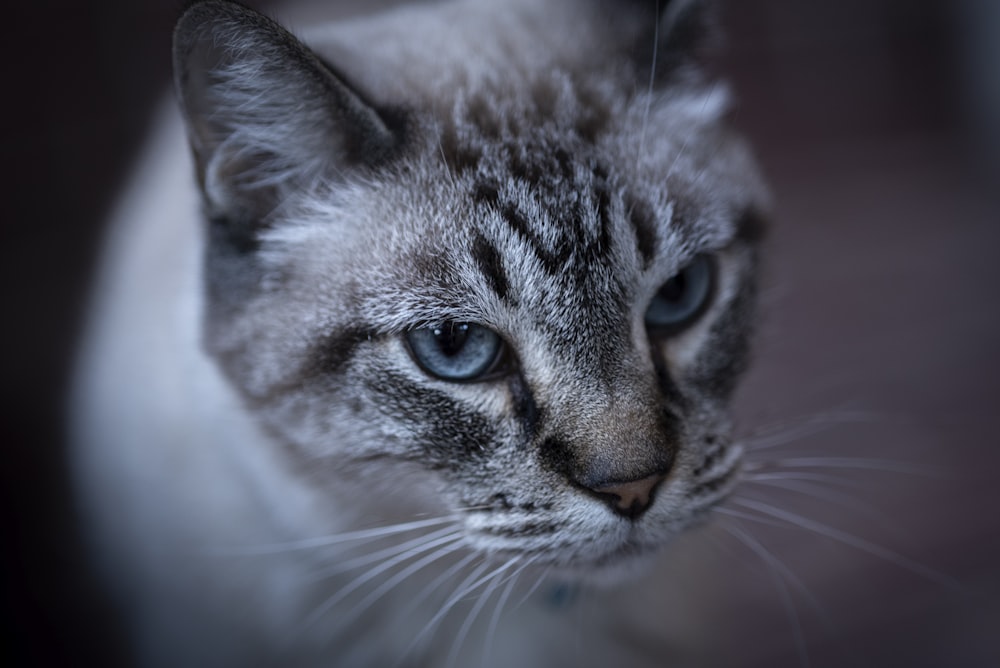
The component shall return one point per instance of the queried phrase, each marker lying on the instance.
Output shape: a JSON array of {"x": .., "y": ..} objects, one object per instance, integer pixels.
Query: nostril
[{"x": 631, "y": 498}]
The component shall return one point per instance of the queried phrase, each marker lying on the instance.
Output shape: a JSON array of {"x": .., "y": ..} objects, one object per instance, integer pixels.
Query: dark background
[{"x": 877, "y": 122}]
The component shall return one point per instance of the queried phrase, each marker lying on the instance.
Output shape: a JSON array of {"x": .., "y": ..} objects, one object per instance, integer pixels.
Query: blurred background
[{"x": 878, "y": 124}]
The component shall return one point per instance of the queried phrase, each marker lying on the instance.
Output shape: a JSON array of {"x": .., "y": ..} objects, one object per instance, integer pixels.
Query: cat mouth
[
  {"x": 539, "y": 543},
  {"x": 528, "y": 530}
]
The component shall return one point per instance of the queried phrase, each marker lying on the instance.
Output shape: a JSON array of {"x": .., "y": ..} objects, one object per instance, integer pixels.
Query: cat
[{"x": 433, "y": 334}]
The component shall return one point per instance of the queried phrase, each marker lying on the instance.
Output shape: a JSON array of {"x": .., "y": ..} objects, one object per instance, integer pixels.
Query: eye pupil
[
  {"x": 452, "y": 337},
  {"x": 673, "y": 290},
  {"x": 456, "y": 351}
]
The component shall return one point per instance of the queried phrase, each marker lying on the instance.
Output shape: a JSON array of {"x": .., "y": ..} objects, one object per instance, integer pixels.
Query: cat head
[{"x": 494, "y": 258}]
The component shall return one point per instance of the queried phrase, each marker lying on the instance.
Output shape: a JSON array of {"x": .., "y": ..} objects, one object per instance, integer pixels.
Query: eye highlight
[
  {"x": 456, "y": 351},
  {"x": 683, "y": 298}
]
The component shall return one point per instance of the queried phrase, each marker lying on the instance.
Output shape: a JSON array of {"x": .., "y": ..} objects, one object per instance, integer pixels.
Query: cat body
[{"x": 438, "y": 326}]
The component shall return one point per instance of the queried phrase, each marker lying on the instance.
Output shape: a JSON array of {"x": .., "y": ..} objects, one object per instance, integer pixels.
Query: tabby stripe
[
  {"x": 712, "y": 485},
  {"x": 641, "y": 219},
  {"x": 602, "y": 196},
  {"x": 525, "y": 408},
  {"x": 553, "y": 263},
  {"x": 487, "y": 193},
  {"x": 491, "y": 265}
]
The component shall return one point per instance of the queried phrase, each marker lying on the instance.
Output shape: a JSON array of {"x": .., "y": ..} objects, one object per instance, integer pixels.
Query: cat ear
[{"x": 263, "y": 113}]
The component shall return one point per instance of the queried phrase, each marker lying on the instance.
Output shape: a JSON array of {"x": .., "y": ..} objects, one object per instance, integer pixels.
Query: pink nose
[{"x": 633, "y": 497}]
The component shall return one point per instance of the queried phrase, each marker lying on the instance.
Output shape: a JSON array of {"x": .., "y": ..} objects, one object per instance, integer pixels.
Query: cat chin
[
  {"x": 613, "y": 569},
  {"x": 621, "y": 564}
]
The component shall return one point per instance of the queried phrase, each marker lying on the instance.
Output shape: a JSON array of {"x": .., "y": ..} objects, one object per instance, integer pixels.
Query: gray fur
[{"x": 505, "y": 164}]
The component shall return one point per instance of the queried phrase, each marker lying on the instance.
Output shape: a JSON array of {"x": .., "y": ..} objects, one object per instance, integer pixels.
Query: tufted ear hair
[{"x": 263, "y": 113}]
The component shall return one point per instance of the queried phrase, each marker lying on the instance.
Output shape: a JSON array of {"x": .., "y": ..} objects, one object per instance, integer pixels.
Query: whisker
[
  {"x": 358, "y": 609},
  {"x": 830, "y": 495},
  {"x": 732, "y": 512},
  {"x": 437, "y": 582},
  {"x": 367, "y": 558},
  {"x": 481, "y": 506},
  {"x": 345, "y": 591},
  {"x": 776, "y": 568},
  {"x": 797, "y": 582},
  {"x": 463, "y": 588},
  {"x": 870, "y": 464},
  {"x": 649, "y": 91},
  {"x": 687, "y": 139},
  {"x": 325, "y": 541},
  {"x": 449, "y": 174},
  {"x": 861, "y": 544},
  {"x": 491, "y": 628},
  {"x": 804, "y": 476},
  {"x": 531, "y": 590},
  {"x": 800, "y": 428},
  {"x": 493, "y": 583}
]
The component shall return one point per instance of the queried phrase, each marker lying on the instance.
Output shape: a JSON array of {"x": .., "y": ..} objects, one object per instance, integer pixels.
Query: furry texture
[{"x": 461, "y": 163}]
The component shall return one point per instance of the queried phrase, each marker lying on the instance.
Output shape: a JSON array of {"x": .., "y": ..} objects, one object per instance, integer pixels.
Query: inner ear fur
[{"x": 263, "y": 113}]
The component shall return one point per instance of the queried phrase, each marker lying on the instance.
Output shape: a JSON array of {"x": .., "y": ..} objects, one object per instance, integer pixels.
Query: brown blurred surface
[
  {"x": 873, "y": 121},
  {"x": 880, "y": 320}
]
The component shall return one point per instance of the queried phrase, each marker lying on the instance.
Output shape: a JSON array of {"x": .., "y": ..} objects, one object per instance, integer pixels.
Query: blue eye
[
  {"x": 456, "y": 350},
  {"x": 683, "y": 298}
]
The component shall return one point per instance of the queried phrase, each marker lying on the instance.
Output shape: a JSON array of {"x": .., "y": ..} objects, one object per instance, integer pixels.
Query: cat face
[{"x": 523, "y": 301}]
